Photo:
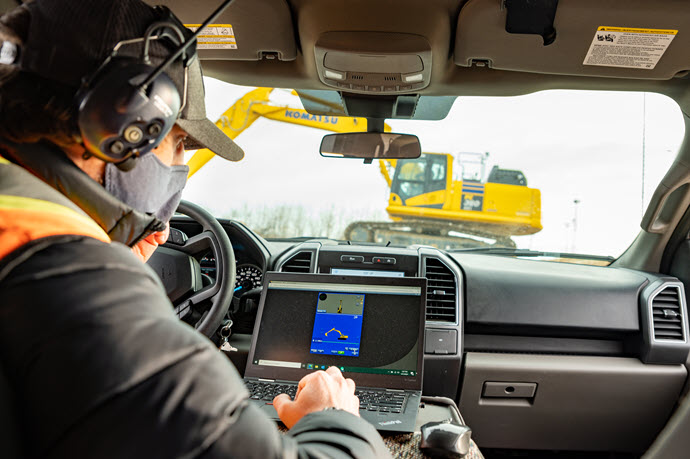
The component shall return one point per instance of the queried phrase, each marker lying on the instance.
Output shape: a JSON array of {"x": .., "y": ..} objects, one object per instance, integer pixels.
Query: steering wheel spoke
[
  {"x": 188, "y": 306},
  {"x": 197, "y": 245},
  {"x": 206, "y": 293}
]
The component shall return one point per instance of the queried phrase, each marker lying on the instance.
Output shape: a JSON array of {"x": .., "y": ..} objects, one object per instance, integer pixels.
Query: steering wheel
[{"x": 177, "y": 264}]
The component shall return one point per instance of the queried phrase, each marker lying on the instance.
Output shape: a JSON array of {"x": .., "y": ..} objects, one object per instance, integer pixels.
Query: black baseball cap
[{"x": 68, "y": 40}]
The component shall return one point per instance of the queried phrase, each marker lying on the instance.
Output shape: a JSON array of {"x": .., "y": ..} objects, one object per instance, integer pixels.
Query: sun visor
[
  {"x": 616, "y": 38},
  {"x": 248, "y": 30}
]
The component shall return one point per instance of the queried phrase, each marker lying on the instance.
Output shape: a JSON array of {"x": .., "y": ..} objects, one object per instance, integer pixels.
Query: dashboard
[{"x": 584, "y": 351}]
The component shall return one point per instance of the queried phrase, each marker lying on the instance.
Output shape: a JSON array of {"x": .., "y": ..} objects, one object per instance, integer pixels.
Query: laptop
[{"x": 371, "y": 328}]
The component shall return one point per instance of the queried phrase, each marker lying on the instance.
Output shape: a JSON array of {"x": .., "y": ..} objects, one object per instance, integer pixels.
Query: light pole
[{"x": 574, "y": 244}]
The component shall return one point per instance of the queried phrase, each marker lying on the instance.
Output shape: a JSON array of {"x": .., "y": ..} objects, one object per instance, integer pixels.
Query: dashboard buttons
[
  {"x": 177, "y": 237},
  {"x": 352, "y": 259},
  {"x": 384, "y": 260}
]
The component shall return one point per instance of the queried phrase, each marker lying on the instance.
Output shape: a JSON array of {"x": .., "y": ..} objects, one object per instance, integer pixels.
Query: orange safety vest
[{"x": 24, "y": 219}]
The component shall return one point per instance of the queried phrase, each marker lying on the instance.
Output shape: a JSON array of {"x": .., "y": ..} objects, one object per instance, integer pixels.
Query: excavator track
[{"x": 443, "y": 235}]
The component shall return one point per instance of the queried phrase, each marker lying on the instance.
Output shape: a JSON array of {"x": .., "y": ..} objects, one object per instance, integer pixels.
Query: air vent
[
  {"x": 441, "y": 294},
  {"x": 667, "y": 315},
  {"x": 357, "y": 77},
  {"x": 390, "y": 78},
  {"x": 299, "y": 263}
]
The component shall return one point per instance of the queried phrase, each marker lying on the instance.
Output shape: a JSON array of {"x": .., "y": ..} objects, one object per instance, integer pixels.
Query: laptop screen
[{"x": 371, "y": 328}]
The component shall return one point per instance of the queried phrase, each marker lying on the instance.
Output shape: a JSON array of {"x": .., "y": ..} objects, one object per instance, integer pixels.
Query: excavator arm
[{"x": 385, "y": 167}]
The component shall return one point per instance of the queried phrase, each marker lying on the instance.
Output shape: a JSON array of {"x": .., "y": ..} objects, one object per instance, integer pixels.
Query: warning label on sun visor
[
  {"x": 214, "y": 36},
  {"x": 628, "y": 47}
]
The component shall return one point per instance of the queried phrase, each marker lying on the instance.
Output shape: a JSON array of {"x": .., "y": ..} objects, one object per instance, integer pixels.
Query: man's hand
[
  {"x": 145, "y": 248},
  {"x": 315, "y": 392}
]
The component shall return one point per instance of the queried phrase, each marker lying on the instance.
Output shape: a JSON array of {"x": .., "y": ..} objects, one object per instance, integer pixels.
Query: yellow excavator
[
  {"x": 440, "y": 200},
  {"x": 436, "y": 199}
]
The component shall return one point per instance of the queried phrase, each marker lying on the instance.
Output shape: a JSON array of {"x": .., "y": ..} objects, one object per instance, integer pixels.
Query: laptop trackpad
[{"x": 270, "y": 411}]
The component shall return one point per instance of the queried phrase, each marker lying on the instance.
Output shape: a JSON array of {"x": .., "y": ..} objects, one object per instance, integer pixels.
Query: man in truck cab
[{"x": 96, "y": 363}]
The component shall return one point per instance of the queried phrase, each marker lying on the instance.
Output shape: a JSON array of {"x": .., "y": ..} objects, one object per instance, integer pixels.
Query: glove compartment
[{"x": 573, "y": 403}]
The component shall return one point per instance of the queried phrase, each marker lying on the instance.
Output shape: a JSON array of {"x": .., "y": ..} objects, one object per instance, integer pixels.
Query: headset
[{"x": 127, "y": 106}]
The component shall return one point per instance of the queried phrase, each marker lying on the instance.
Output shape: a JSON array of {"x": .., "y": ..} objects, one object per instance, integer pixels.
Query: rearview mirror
[{"x": 370, "y": 145}]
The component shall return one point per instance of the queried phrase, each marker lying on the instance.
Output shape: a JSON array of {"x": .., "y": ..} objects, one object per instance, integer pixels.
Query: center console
[{"x": 444, "y": 311}]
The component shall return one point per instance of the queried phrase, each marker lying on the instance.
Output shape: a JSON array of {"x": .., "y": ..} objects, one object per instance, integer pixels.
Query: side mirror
[{"x": 371, "y": 145}]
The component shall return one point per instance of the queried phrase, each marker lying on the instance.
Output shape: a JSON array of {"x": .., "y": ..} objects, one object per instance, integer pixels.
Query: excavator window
[
  {"x": 412, "y": 171},
  {"x": 438, "y": 171},
  {"x": 409, "y": 178},
  {"x": 418, "y": 176}
]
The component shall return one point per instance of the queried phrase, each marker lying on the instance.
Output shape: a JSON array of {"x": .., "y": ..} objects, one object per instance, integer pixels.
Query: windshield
[{"x": 556, "y": 171}]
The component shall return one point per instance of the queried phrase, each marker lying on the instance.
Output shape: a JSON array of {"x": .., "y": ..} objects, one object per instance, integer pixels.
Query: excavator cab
[{"x": 417, "y": 177}]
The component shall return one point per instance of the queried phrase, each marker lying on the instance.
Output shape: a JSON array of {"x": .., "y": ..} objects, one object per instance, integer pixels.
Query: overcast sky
[{"x": 572, "y": 145}]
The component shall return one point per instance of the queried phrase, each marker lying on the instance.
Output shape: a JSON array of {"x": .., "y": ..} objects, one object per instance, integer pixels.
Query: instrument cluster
[{"x": 247, "y": 276}]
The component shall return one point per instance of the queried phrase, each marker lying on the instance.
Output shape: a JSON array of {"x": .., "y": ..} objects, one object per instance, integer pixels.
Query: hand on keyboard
[{"x": 315, "y": 392}]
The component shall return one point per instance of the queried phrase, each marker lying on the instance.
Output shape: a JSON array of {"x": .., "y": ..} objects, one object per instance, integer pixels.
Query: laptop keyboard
[
  {"x": 260, "y": 390},
  {"x": 369, "y": 400},
  {"x": 381, "y": 401}
]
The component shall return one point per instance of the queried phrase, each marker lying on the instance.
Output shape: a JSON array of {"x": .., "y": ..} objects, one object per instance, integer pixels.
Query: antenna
[{"x": 184, "y": 46}]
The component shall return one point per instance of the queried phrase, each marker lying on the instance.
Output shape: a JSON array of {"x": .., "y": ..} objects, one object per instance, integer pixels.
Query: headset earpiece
[
  {"x": 127, "y": 106},
  {"x": 117, "y": 119}
]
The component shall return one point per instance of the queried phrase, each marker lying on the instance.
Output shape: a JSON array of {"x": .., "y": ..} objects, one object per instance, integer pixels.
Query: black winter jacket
[{"x": 101, "y": 367}]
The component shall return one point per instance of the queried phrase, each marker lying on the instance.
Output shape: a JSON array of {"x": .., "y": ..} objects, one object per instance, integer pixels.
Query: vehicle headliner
[{"x": 457, "y": 31}]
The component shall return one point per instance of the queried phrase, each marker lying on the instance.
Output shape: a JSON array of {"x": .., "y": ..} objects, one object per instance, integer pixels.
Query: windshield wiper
[{"x": 506, "y": 251}]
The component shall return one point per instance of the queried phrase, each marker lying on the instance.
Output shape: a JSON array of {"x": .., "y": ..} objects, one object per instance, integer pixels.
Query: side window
[{"x": 438, "y": 171}]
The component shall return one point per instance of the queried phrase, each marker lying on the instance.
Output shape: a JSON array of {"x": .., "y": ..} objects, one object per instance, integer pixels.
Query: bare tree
[{"x": 287, "y": 220}]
